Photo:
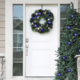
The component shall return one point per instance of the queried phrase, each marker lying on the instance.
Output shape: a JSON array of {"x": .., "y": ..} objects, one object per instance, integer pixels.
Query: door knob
[
  {"x": 27, "y": 49},
  {"x": 27, "y": 45}
]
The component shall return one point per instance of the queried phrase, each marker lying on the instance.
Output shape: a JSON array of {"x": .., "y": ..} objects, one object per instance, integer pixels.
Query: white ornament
[
  {"x": 48, "y": 19},
  {"x": 36, "y": 13},
  {"x": 49, "y": 28},
  {"x": 38, "y": 28},
  {"x": 32, "y": 23},
  {"x": 44, "y": 12}
]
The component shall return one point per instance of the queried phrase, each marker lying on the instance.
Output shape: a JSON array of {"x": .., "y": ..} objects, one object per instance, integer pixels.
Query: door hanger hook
[{"x": 42, "y": 6}]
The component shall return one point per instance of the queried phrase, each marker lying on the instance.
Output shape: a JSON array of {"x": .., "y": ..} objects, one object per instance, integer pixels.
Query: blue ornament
[
  {"x": 40, "y": 26},
  {"x": 69, "y": 27},
  {"x": 32, "y": 17},
  {"x": 64, "y": 57},
  {"x": 59, "y": 74},
  {"x": 72, "y": 16},
  {"x": 79, "y": 50},
  {"x": 49, "y": 14},
  {"x": 42, "y": 30},
  {"x": 39, "y": 13},
  {"x": 69, "y": 43},
  {"x": 75, "y": 34},
  {"x": 69, "y": 70},
  {"x": 49, "y": 22},
  {"x": 36, "y": 15},
  {"x": 47, "y": 17},
  {"x": 35, "y": 25}
]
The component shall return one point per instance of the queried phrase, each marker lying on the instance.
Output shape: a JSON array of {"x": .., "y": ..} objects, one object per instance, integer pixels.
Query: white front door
[{"x": 40, "y": 58}]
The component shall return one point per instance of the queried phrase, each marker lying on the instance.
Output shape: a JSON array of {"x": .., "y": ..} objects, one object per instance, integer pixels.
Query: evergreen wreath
[{"x": 36, "y": 17}]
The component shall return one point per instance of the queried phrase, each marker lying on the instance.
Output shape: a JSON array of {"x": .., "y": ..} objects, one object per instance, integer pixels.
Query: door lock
[
  {"x": 27, "y": 46},
  {"x": 27, "y": 40}
]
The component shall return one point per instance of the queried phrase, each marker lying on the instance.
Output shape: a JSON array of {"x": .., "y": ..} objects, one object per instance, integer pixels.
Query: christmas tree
[{"x": 69, "y": 47}]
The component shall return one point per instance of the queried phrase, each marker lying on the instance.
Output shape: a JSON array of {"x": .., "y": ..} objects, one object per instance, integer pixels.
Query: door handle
[
  {"x": 27, "y": 49},
  {"x": 27, "y": 40},
  {"x": 27, "y": 46}
]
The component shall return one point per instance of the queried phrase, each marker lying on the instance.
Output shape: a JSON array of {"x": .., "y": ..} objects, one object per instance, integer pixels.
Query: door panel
[{"x": 40, "y": 59}]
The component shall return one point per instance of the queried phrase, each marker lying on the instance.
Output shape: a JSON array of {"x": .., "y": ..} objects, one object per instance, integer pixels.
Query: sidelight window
[
  {"x": 63, "y": 12},
  {"x": 17, "y": 40}
]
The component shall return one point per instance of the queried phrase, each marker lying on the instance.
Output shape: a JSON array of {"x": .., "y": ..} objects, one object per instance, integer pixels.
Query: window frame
[
  {"x": 62, "y": 18},
  {"x": 17, "y": 61},
  {"x": 9, "y": 31}
]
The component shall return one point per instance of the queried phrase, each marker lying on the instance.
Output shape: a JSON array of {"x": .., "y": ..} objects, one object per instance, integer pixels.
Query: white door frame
[{"x": 9, "y": 30}]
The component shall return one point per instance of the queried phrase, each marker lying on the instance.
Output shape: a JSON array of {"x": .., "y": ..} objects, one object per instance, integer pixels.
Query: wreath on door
[{"x": 35, "y": 21}]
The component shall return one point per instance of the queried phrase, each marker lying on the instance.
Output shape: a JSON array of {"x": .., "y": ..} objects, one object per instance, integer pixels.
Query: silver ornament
[
  {"x": 75, "y": 23},
  {"x": 35, "y": 21},
  {"x": 51, "y": 18},
  {"x": 47, "y": 25},
  {"x": 38, "y": 17}
]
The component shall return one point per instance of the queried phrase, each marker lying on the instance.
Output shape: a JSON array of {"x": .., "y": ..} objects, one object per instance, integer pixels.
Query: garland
[{"x": 35, "y": 21}]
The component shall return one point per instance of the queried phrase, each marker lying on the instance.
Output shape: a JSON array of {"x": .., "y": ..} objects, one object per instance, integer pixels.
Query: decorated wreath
[{"x": 35, "y": 21}]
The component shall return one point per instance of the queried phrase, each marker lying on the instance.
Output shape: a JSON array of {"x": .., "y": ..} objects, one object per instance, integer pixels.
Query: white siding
[{"x": 2, "y": 26}]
